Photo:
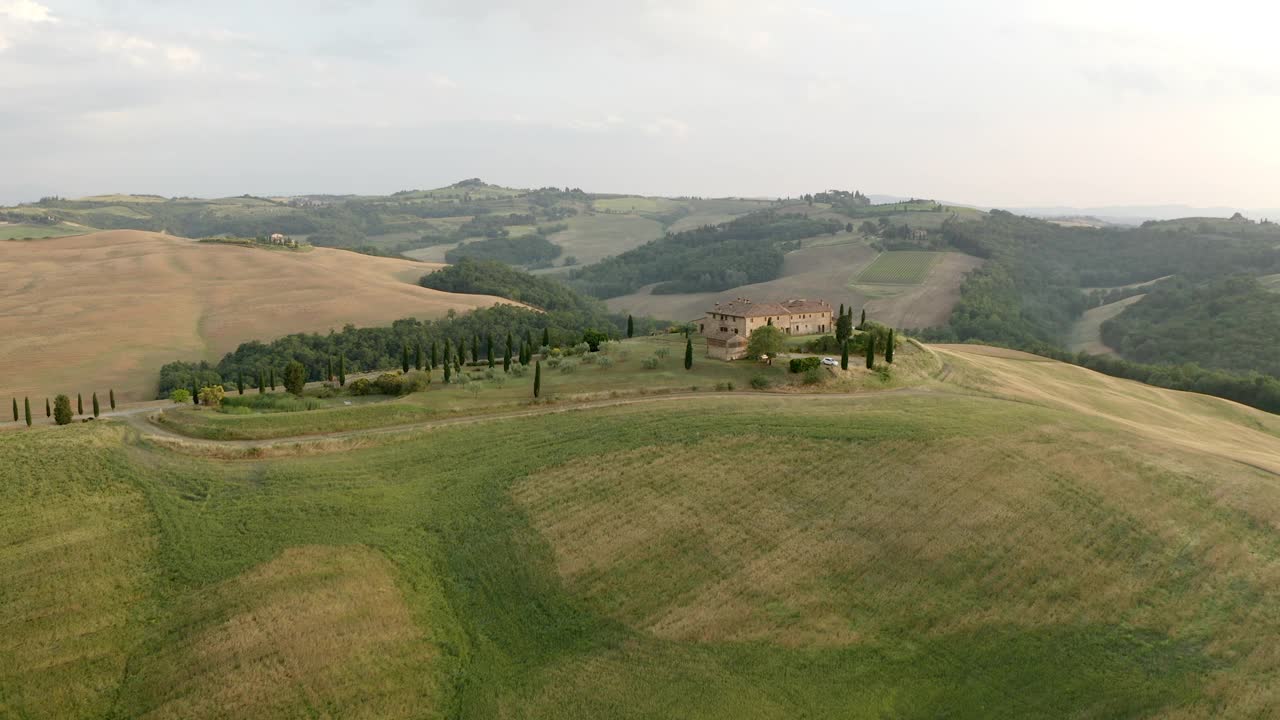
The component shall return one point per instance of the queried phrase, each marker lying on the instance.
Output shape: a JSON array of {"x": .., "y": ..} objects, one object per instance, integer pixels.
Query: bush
[
  {"x": 760, "y": 382},
  {"x": 825, "y": 344},
  {"x": 388, "y": 384},
  {"x": 799, "y": 365},
  {"x": 649, "y": 363},
  {"x": 519, "y": 371},
  {"x": 361, "y": 386},
  {"x": 884, "y": 373},
  {"x": 62, "y": 409},
  {"x": 580, "y": 349},
  {"x": 591, "y": 359},
  {"x": 604, "y": 362},
  {"x": 212, "y": 396},
  {"x": 416, "y": 381},
  {"x": 554, "y": 361},
  {"x": 662, "y": 353},
  {"x": 812, "y": 376},
  {"x": 180, "y": 396},
  {"x": 724, "y": 386},
  {"x": 569, "y": 366}
]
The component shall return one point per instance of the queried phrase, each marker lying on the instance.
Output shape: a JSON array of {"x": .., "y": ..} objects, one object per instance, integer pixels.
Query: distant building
[
  {"x": 728, "y": 325},
  {"x": 277, "y": 238}
]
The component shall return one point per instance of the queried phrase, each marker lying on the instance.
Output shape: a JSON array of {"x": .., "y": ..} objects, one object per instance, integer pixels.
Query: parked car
[{"x": 830, "y": 361}]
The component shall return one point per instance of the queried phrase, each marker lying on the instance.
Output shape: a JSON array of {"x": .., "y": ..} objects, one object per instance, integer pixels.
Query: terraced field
[{"x": 899, "y": 267}]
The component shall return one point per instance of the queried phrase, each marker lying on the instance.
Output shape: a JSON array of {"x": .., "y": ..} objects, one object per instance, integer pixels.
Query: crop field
[
  {"x": 34, "y": 232},
  {"x": 1026, "y": 539},
  {"x": 900, "y": 267},
  {"x": 591, "y": 238},
  {"x": 114, "y": 306}
]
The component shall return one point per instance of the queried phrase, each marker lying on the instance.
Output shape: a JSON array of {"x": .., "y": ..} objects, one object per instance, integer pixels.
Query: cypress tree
[
  {"x": 435, "y": 356},
  {"x": 262, "y": 382},
  {"x": 475, "y": 348},
  {"x": 195, "y": 392},
  {"x": 240, "y": 381},
  {"x": 404, "y": 358},
  {"x": 26, "y": 406},
  {"x": 841, "y": 311},
  {"x": 111, "y": 395},
  {"x": 871, "y": 351},
  {"x": 47, "y": 413},
  {"x": 342, "y": 370},
  {"x": 688, "y": 353},
  {"x": 448, "y": 372},
  {"x": 96, "y": 410},
  {"x": 888, "y": 351},
  {"x": 537, "y": 378},
  {"x": 488, "y": 348},
  {"x": 863, "y": 323},
  {"x": 546, "y": 337},
  {"x": 15, "y": 409},
  {"x": 79, "y": 406},
  {"x": 462, "y": 354},
  {"x": 417, "y": 356},
  {"x": 631, "y": 327},
  {"x": 448, "y": 353},
  {"x": 62, "y": 410},
  {"x": 328, "y": 368},
  {"x": 844, "y": 356},
  {"x": 271, "y": 376},
  {"x": 506, "y": 356}
]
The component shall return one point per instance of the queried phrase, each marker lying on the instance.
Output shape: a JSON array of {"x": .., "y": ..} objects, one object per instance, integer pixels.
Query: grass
[
  {"x": 1086, "y": 333},
  {"x": 38, "y": 232},
  {"x": 899, "y": 267},
  {"x": 591, "y": 238},
  {"x": 115, "y": 306},
  {"x": 910, "y": 555}
]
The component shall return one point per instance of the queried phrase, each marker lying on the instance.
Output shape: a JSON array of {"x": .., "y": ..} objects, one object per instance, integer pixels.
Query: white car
[{"x": 830, "y": 361}]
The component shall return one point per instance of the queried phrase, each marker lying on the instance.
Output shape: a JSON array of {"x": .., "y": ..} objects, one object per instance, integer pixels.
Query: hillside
[
  {"x": 1014, "y": 537},
  {"x": 106, "y": 310}
]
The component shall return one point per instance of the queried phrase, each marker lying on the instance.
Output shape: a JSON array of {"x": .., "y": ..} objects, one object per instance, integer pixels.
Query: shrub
[
  {"x": 582, "y": 349},
  {"x": 760, "y": 382},
  {"x": 662, "y": 353},
  {"x": 212, "y": 396},
  {"x": 884, "y": 373},
  {"x": 724, "y": 386},
  {"x": 569, "y": 366},
  {"x": 519, "y": 371},
  {"x": 417, "y": 381},
  {"x": 812, "y": 376},
  {"x": 295, "y": 377},
  {"x": 62, "y": 410},
  {"x": 649, "y": 363},
  {"x": 590, "y": 359},
  {"x": 554, "y": 361},
  {"x": 799, "y": 365},
  {"x": 604, "y": 362},
  {"x": 360, "y": 386},
  {"x": 181, "y": 396}
]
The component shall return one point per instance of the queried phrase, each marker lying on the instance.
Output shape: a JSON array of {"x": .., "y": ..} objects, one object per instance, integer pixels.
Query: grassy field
[
  {"x": 110, "y": 308},
  {"x": 591, "y": 238},
  {"x": 35, "y": 232},
  {"x": 902, "y": 267},
  {"x": 1086, "y": 334},
  {"x": 1024, "y": 540}
]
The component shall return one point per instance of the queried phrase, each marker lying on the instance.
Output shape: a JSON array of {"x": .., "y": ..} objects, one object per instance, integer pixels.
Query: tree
[
  {"x": 62, "y": 410},
  {"x": 15, "y": 409},
  {"x": 342, "y": 370},
  {"x": 688, "y": 353},
  {"x": 404, "y": 357},
  {"x": 295, "y": 377},
  {"x": 844, "y": 328},
  {"x": 631, "y": 327},
  {"x": 262, "y": 382},
  {"x": 417, "y": 356},
  {"x": 844, "y": 356},
  {"x": 462, "y": 354},
  {"x": 79, "y": 406},
  {"x": 593, "y": 338},
  {"x": 841, "y": 311},
  {"x": 212, "y": 395},
  {"x": 448, "y": 355},
  {"x": 488, "y": 348},
  {"x": 435, "y": 355},
  {"x": 537, "y": 378},
  {"x": 475, "y": 348},
  {"x": 871, "y": 351},
  {"x": 767, "y": 340},
  {"x": 240, "y": 381},
  {"x": 546, "y": 337},
  {"x": 888, "y": 349},
  {"x": 96, "y": 410},
  {"x": 111, "y": 396},
  {"x": 864, "y": 318},
  {"x": 47, "y": 412},
  {"x": 448, "y": 372},
  {"x": 26, "y": 406},
  {"x": 506, "y": 356},
  {"x": 271, "y": 376},
  {"x": 328, "y": 368}
]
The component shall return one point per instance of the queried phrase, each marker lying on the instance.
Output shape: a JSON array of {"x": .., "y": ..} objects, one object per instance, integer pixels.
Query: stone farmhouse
[{"x": 728, "y": 325}]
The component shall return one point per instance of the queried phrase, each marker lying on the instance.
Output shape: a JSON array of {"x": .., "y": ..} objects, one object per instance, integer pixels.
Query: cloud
[{"x": 26, "y": 11}]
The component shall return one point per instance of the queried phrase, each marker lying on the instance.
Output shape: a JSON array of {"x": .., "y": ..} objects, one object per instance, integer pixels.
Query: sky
[{"x": 992, "y": 102}]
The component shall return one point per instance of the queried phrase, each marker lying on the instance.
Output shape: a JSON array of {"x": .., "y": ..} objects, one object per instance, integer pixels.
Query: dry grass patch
[{"x": 317, "y": 632}]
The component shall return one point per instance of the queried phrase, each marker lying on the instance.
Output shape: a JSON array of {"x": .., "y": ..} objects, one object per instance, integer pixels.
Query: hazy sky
[{"x": 991, "y": 102}]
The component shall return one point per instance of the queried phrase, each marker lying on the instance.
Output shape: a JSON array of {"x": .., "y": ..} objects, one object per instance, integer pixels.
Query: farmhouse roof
[
  {"x": 743, "y": 307},
  {"x": 807, "y": 306}
]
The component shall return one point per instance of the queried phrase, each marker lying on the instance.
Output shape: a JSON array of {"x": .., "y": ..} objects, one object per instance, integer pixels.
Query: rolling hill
[
  {"x": 106, "y": 310},
  {"x": 1003, "y": 537}
]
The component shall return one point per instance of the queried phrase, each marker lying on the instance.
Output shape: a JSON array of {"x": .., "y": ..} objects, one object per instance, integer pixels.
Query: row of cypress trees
[{"x": 59, "y": 401}]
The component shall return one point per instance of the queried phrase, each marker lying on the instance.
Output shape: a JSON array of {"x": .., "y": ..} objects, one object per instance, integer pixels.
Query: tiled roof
[
  {"x": 743, "y": 307},
  {"x": 727, "y": 337},
  {"x": 807, "y": 306}
]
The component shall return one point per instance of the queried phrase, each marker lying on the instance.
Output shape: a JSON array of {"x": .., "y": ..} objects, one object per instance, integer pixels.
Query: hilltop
[
  {"x": 993, "y": 535},
  {"x": 106, "y": 310}
]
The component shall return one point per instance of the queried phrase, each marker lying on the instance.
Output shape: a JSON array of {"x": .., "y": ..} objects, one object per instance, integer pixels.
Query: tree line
[{"x": 60, "y": 409}]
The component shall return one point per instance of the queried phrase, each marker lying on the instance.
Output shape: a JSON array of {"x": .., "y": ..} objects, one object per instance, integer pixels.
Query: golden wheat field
[{"x": 106, "y": 310}]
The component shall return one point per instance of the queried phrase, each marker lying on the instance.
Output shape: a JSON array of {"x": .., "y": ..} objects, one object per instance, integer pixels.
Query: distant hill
[{"x": 108, "y": 309}]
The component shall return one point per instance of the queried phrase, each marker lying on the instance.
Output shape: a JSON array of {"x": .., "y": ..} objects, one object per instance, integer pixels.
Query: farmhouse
[{"x": 728, "y": 325}]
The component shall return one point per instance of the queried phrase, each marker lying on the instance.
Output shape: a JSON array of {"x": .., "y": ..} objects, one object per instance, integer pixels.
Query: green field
[
  {"x": 960, "y": 551},
  {"x": 903, "y": 267},
  {"x": 36, "y": 232}
]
